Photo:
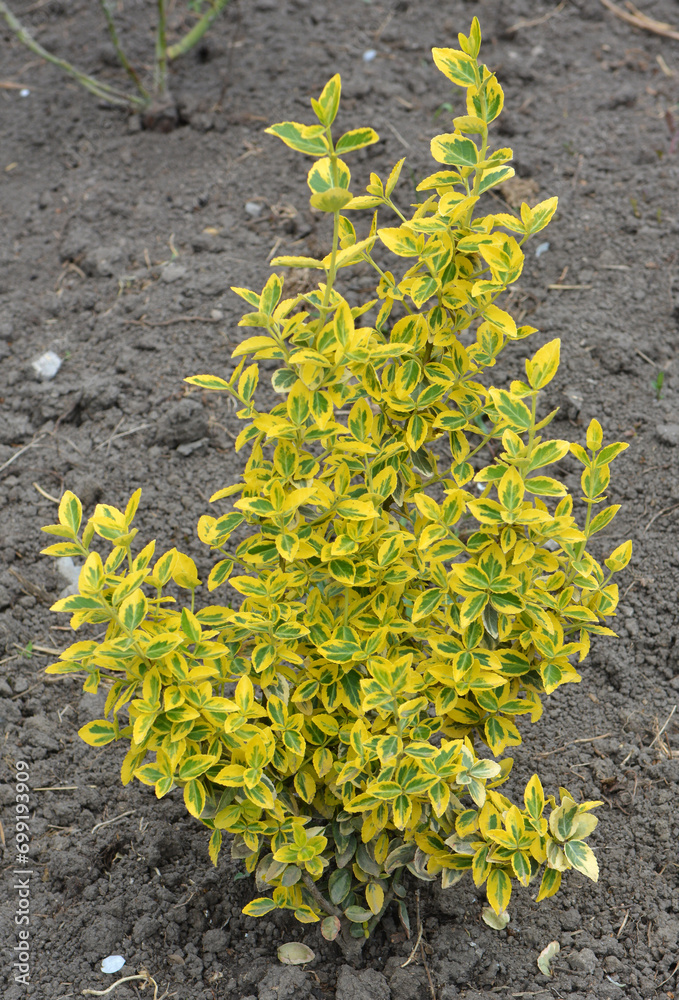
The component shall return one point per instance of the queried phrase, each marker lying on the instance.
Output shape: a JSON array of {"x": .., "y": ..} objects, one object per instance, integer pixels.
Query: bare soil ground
[{"x": 118, "y": 248}]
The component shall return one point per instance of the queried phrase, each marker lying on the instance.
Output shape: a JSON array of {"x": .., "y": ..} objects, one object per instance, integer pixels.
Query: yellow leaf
[
  {"x": 499, "y": 889},
  {"x": 544, "y": 364}
]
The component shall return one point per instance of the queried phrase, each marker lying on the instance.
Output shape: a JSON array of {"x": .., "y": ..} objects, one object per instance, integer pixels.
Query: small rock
[
  {"x": 183, "y": 423},
  {"x": 103, "y": 262},
  {"x": 14, "y": 428},
  {"x": 191, "y": 447},
  {"x": 145, "y": 928},
  {"x": 173, "y": 272},
  {"x": 571, "y": 920},
  {"x": 102, "y": 933},
  {"x": 408, "y": 984},
  {"x": 253, "y": 209},
  {"x": 216, "y": 314},
  {"x": 47, "y": 365},
  {"x": 214, "y": 940},
  {"x": 365, "y": 985},
  {"x": 583, "y": 961},
  {"x": 369, "y": 55},
  {"x": 668, "y": 434},
  {"x": 573, "y": 400},
  {"x": 284, "y": 981}
]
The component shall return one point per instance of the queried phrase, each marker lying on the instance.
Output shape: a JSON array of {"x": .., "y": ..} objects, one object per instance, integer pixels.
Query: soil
[{"x": 118, "y": 249}]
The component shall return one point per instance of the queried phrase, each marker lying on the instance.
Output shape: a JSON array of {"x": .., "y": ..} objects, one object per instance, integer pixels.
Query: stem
[
  {"x": 190, "y": 39},
  {"x": 122, "y": 58},
  {"x": 332, "y": 271},
  {"x": 531, "y": 433},
  {"x": 324, "y": 903},
  {"x": 160, "y": 62},
  {"x": 101, "y": 90}
]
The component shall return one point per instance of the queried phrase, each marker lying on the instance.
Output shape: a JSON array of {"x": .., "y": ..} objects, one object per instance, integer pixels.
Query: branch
[
  {"x": 334, "y": 911},
  {"x": 101, "y": 90},
  {"x": 160, "y": 62},
  {"x": 122, "y": 58},
  {"x": 197, "y": 31}
]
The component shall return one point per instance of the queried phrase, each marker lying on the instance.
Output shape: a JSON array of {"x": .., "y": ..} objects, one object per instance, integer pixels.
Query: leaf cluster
[{"x": 400, "y": 605}]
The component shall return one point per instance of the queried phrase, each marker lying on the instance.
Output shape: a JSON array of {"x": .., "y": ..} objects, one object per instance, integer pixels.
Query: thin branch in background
[
  {"x": 122, "y": 58},
  {"x": 160, "y": 61},
  {"x": 641, "y": 20},
  {"x": 536, "y": 20},
  {"x": 96, "y": 87},
  {"x": 196, "y": 33}
]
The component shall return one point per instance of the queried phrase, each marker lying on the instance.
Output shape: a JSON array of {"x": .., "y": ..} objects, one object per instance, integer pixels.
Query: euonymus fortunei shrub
[{"x": 402, "y": 602}]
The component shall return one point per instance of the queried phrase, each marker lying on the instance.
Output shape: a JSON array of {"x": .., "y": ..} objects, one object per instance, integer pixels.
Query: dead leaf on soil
[
  {"x": 295, "y": 953},
  {"x": 519, "y": 189},
  {"x": 546, "y": 956}
]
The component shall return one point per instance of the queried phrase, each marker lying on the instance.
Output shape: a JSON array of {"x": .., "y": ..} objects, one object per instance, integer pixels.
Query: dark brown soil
[{"x": 118, "y": 248}]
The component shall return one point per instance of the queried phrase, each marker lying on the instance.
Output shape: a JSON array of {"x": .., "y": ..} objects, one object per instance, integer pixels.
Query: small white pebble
[
  {"x": 369, "y": 55},
  {"x": 47, "y": 365},
  {"x": 216, "y": 314},
  {"x": 113, "y": 963},
  {"x": 253, "y": 208},
  {"x": 542, "y": 248},
  {"x": 25, "y": 92}
]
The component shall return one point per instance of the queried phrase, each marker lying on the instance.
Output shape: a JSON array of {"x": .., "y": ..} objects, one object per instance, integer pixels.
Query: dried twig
[
  {"x": 61, "y": 788},
  {"x": 107, "y": 822},
  {"x": 660, "y": 513},
  {"x": 144, "y": 975},
  {"x": 116, "y": 437},
  {"x": 404, "y": 142},
  {"x": 641, "y": 20},
  {"x": 45, "y": 494},
  {"x": 169, "y": 322},
  {"x": 643, "y": 356},
  {"x": 585, "y": 739},
  {"x": 536, "y": 20},
  {"x": 670, "y": 976},
  {"x": 419, "y": 933},
  {"x": 568, "y": 288},
  {"x": 31, "y": 444},
  {"x": 661, "y": 731}
]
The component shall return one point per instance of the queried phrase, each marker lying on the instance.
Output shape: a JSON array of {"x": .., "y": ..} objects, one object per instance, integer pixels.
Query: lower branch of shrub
[
  {"x": 192, "y": 37},
  {"x": 96, "y": 87}
]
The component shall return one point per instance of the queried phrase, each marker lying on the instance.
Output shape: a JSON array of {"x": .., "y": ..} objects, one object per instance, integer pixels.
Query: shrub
[
  {"x": 152, "y": 98},
  {"x": 403, "y": 603}
]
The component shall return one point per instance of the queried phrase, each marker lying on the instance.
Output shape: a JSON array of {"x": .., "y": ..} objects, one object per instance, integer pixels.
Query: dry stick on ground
[
  {"x": 45, "y": 494},
  {"x": 661, "y": 731},
  {"x": 585, "y": 739},
  {"x": 666, "y": 510},
  {"x": 536, "y": 20},
  {"x": 419, "y": 943},
  {"x": 147, "y": 978},
  {"x": 643, "y": 356},
  {"x": 170, "y": 322},
  {"x": 31, "y": 444},
  {"x": 107, "y": 822},
  {"x": 641, "y": 20},
  {"x": 670, "y": 976}
]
